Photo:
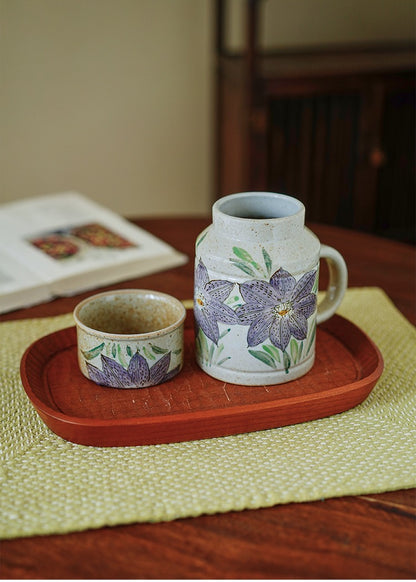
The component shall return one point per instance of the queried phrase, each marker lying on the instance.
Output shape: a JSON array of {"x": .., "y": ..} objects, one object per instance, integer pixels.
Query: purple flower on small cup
[
  {"x": 137, "y": 375},
  {"x": 209, "y": 308},
  {"x": 278, "y": 309}
]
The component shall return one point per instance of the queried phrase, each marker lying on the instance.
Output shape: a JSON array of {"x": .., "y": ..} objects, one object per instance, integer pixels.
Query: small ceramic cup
[{"x": 130, "y": 338}]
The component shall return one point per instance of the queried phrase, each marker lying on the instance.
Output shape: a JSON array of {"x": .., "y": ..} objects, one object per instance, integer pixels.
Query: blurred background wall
[
  {"x": 108, "y": 97},
  {"x": 115, "y": 98},
  {"x": 297, "y": 23}
]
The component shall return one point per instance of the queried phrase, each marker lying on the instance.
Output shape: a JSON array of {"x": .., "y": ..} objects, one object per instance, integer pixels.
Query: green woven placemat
[{"x": 49, "y": 485}]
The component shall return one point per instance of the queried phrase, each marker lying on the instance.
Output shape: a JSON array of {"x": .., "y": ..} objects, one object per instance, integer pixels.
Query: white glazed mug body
[{"x": 256, "y": 285}]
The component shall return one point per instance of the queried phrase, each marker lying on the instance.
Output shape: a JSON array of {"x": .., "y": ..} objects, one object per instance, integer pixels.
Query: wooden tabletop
[{"x": 367, "y": 536}]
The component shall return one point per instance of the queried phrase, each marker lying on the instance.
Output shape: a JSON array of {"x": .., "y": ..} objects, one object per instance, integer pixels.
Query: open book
[{"x": 62, "y": 244}]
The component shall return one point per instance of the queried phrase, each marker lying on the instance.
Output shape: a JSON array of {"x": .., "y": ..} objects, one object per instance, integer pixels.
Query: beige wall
[
  {"x": 293, "y": 23},
  {"x": 114, "y": 97},
  {"x": 108, "y": 97}
]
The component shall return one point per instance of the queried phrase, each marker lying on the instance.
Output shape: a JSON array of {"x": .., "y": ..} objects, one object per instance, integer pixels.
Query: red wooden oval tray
[{"x": 193, "y": 405}]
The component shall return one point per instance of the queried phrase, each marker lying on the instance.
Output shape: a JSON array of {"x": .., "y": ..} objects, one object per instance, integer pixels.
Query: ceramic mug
[
  {"x": 256, "y": 285},
  {"x": 130, "y": 338}
]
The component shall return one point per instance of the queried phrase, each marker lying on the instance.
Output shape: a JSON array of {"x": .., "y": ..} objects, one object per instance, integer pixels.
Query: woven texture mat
[{"x": 49, "y": 485}]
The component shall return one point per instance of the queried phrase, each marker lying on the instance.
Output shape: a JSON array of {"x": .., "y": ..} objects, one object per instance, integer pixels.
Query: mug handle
[{"x": 338, "y": 280}]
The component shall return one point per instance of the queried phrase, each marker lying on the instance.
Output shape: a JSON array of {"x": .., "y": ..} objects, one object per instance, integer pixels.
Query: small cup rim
[{"x": 124, "y": 336}]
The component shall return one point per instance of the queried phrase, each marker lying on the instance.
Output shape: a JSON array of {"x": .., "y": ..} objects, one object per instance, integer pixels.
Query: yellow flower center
[
  {"x": 283, "y": 309},
  {"x": 200, "y": 299}
]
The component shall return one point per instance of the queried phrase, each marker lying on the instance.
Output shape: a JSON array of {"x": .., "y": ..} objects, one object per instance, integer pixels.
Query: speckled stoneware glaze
[
  {"x": 130, "y": 338},
  {"x": 256, "y": 284}
]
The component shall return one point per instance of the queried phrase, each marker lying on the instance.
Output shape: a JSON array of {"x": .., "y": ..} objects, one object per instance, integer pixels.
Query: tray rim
[{"x": 45, "y": 411}]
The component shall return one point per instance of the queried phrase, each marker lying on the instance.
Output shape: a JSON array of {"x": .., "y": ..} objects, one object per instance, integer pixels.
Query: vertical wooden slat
[
  {"x": 349, "y": 116},
  {"x": 319, "y": 155},
  {"x": 293, "y": 157},
  {"x": 331, "y": 186},
  {"x": 312, "y": 153},
  {"x": 253, "y": 97},
  {"x": 365, "y": 187},
  {"x": 305, "y": 151},
  {"x": 396, "y": 200}
]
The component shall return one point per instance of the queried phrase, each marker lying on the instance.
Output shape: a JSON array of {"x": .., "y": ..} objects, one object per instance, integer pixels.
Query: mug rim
[
  {"x": 224, "y": 200},
  {"x": 124, "y": 336}
]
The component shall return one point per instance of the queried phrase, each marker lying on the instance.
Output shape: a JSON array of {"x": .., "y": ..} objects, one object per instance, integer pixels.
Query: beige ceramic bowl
[{"x": 130, "y": 338}]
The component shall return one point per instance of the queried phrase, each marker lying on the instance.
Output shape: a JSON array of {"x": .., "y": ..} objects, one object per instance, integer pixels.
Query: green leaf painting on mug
[
  {"x": 269, "y": 356},
  {"x": 311, "y": 337},
  {"x": 201, "y": 237},
  {"x": 209, "y": 352},
  {"x": 247, "y": 259},
  {"x": 158, "y": 349},
  {"x": 263, "y": 357},
  {"x": 316, "y": 283},
  {"x": 270, "y": 359},
  {"x": 273, "y": 351},
  {"x": 248, "y": 265},
  {"x": 267, "y": 261},
  {"x": 244, "y": 255},
  {"x": 244, "y": 267},
  {"x": 286, "y": 362},
  {"x": 148, "y": 355},
  {"x": 93, "y": 352},
  {"x": 120, "y": 356},
  {"x": 296, "y": 349}
]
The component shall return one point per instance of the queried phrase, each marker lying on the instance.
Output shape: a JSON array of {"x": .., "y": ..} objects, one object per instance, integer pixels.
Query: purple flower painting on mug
[
  {"x": 209, "y": 307},
  {"x": 138, "y": 374},
  {"x": 277, "y": 309}
]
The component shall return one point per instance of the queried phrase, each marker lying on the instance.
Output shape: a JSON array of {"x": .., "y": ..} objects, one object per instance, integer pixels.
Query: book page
[
  {"x": 19, "y": 286},
  {"x": 70, "y": 243}
]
